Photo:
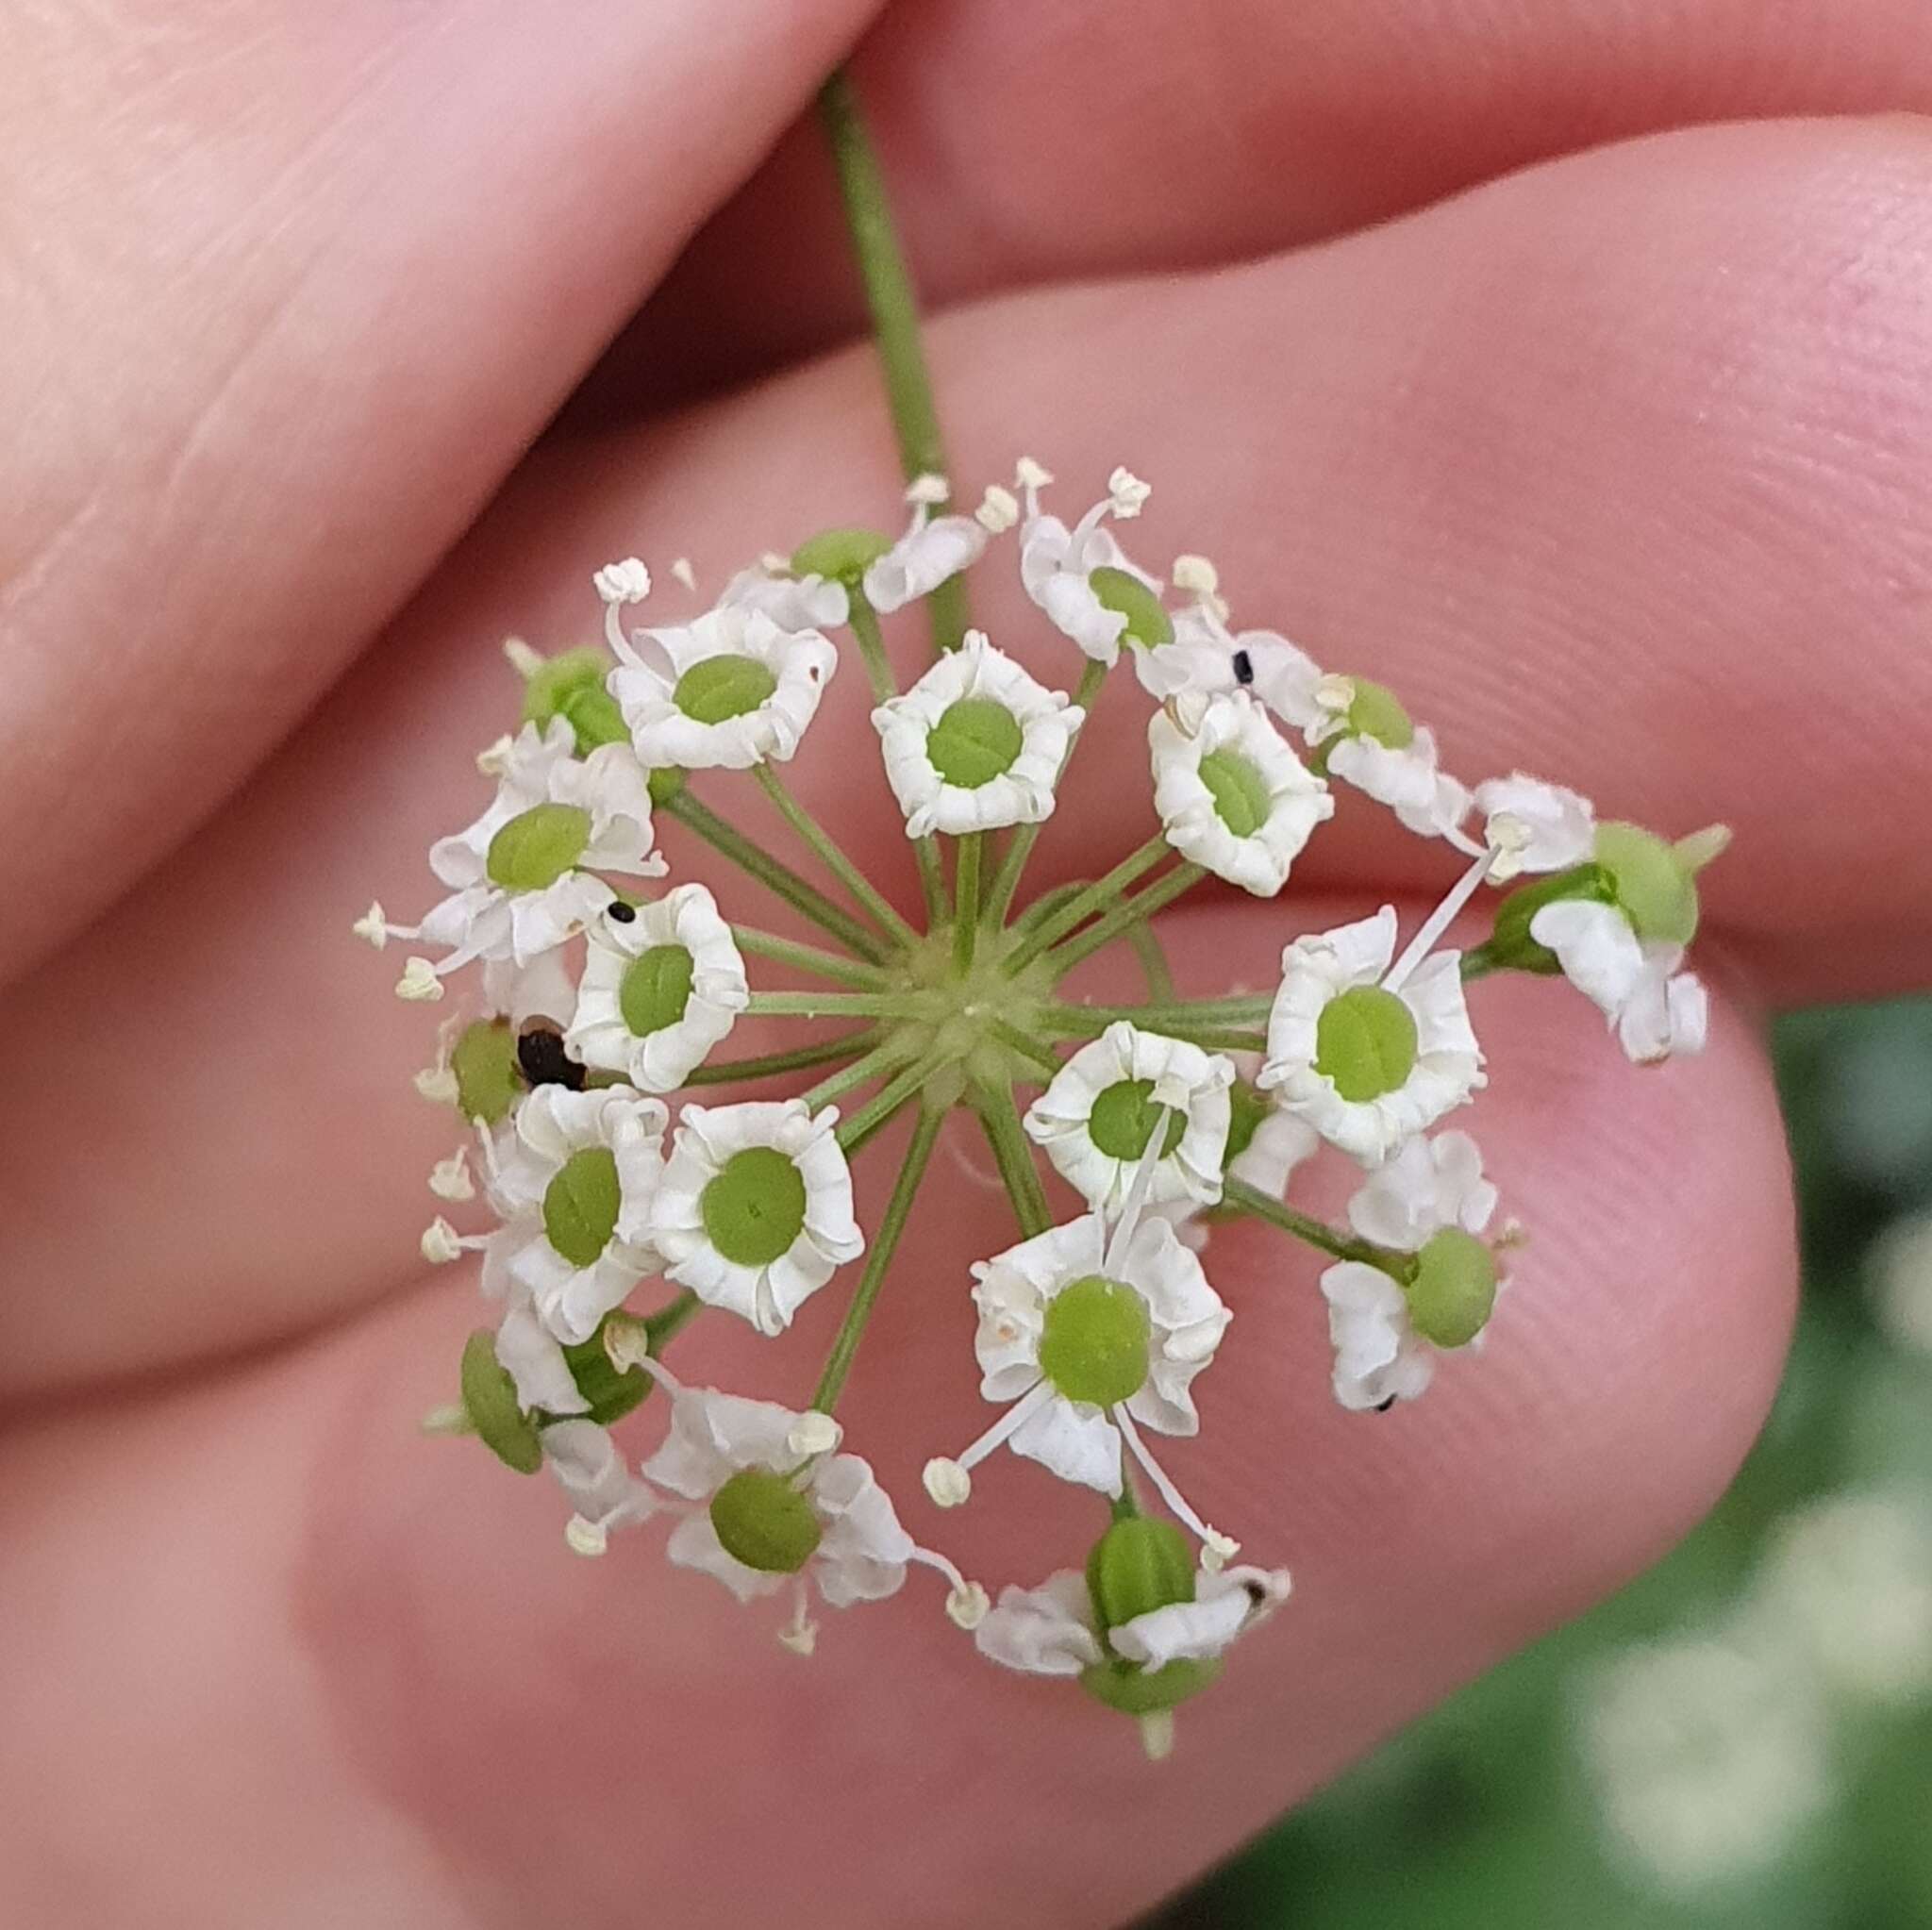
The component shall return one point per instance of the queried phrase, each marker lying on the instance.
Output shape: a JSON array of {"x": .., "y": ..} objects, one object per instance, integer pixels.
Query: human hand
[{"x": 1615, "y": 468}]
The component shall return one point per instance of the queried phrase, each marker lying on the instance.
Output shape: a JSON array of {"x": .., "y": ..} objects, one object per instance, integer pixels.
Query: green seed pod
[
  {"x": 656, "y": 988},
  {"x": 717, "y": 689},
  {"x": 484, "y": 1063},
  {"x": 1240, "y": 798},
  {"x": 1148, "y": 624},
  {"x": 1123, "y": 1118},
  {"x": 570, "y": 686},
  {"x": 1138, "y": 1692},
  {"x": 976, "y": 740},
  {"x": 1657, "y": 890},
  {"x": 1365, "y": 1041},
  {"x": 1138, "y": 1566},
  {"x": 581, "y": 1204},
  {"x": 490, "y": 1399},
  {"x": 1094, "y": 1342},
  {"x": 1453, "y": 1291},
  {"x": 537, "y": 846},
  {"x": 765, "y": 1522},
  {"x": 754, "y": 1209},
  {"x": 842, "y": 555}
]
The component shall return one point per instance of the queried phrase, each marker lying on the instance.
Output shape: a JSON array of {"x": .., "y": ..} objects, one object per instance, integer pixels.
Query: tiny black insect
[
  {"x": 543, "y": 1059},
  {"x": 1383, "y": 1407},
  {"x": 621, "y": 913},
  {"x": 1243, "y": 669}
]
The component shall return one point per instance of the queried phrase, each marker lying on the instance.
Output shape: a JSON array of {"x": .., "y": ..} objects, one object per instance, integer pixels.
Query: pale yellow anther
[
  {"x": 947, "y": 1482},
  {"x": 999, "y": 511},
  {"x": 627, "y": 581},
  {"x": 773, "y": 564},
  {"x": 967, "y": 1605},
  {"x": 1028, "y": 475},
  {"x": 1217, "y": 1550},
  {"x": 929, "y": 490},
  {"x": 522, "y": 659},
  {"x": 585, "y": 1537},
  {"x": 492, "y": 760},
  {"x": 440, "y": 1243},
  {"x": 1126, "y": 495},
  {"x": 419, "y": 983},
  {"x": 449, "y": 1179},
  {"x": 626, "y": 1340},
  {"x": 801, "y": 1638},
  {"x": 815, "y": 1434},
  {"x": 1197, "y": 576},
  {"x": 1336, "y": 692},
  {"x": 373, "y": 925},
  {"x": 682, "y": 570},
  {"x": 437, "y": 1084}
]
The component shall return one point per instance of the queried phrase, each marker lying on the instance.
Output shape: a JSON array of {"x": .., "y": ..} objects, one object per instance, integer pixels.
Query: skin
[{"x": 1614, "y": 467}]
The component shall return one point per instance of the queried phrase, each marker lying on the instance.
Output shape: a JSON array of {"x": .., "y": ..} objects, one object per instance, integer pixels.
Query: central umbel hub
[{"x": 961, "y": 1015}]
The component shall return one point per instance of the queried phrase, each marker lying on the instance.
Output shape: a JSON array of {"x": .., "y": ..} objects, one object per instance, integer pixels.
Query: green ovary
[
  {"x": 1148, "y": 624},
  {"x": 484, "y": 1060},
  {"x": 722, "y": 687},
  {"x": 1365, "y": 1042},
  {"x": 580, "y": 1206},
  {"x": 1094, "y": 1343},
  {"x": 1121, "y": 1120},
  {"x": 754, "y": 1208},
  {"x": 1378, "y": 712},
  {"x": 1657, "y": 892},
  {"x": 537, "y": 846},
  {"x": 1453, "y": 1290},
  {"x": 656, "y": 988},
  {"x": 976, "y": 740},
  {"x": 1240, "y": 798},
  {"x": 764, "y": 1522}
]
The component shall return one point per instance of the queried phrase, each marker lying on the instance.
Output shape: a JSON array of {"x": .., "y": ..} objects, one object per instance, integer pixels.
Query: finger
[
  {"x": 1621, "y": 583},
  {"x": 1062, "y": 141},
  {"x": 282, "y": 305},
  {"x": 391, "y": 1694}
]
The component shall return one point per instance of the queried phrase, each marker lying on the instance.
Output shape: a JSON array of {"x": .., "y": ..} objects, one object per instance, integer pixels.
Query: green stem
[
  {"x": 881, "y": 1058},
  {"x": 1158, "y": 895},
  {"x": 663, "y": 1326},
  {"x": 1152, "y": 956},
  {"x": 776, "y": 877},
  {"x": 1245, "y": 1197},
  {"x": 815, "y": 1004},
  {"x": 1000, "y": 899},
  {"x": 1028, "y": 1047},
  {"x": 764, "y": 944},
  {"x": 799, "y": 1059},
  {"x": 877, "y": 1111},
  {"x": 832, "y": 856},
  {"x": 864, "y": 621},
  {"x": 894, "y": 309},
  {"x": 1012, "y": 1154},
  {"x": 1090, "y": 1022},
  {"x": 852, "y": 1328},
  {"x": 966, "y": 900},
  {"x": 1478, "y": 963},
  {"x": 1098, "y": 896}
]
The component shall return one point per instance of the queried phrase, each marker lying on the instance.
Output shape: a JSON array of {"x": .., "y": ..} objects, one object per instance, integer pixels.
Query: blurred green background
[{"x": 1742, "y": 1738}]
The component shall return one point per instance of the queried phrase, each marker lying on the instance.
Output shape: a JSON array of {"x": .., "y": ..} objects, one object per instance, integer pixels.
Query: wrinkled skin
[{"x": 1571, "y": 374}]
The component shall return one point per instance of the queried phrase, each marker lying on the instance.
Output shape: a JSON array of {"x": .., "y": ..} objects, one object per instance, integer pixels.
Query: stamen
[
  {"x": 374, "y": 927},
  {"x": 1217, "y": 1548},
  {"x": 492, "y": 760},
  {"x": 966, "y": 1602},
  {"x": 929, "y": 490},
  {"x": 442, "y": 1244},
  {"x": 1157, "y": 1735},
  {"x": 800, "y": 1634},
  {"x": 419, "y": 983},
  {"x": 1128, "y": 1224},
  {"x": 813, "y": 1434},
  {"x": 950, "y": 1482},
  {"x": 453, "y": 1419},
  {"x": 585, "y": 1537},
  {"x": 682, "y": 570},
  {"x": 449, "y": 1179},
  {"x": 522, "y": 659},
  {"x": 1197, "y": 576},
  {"x": 1126, "y": 495},
  {"x": 437, "y": 1084},
  {"x": 998, "y": 511},
  {"x": 1437, "y": 922}
]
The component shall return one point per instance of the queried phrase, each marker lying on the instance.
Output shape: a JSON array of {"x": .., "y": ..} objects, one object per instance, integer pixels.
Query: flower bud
[
  {"x": 841, "y": 555},
  {"x": 1138, "y": 1566},
  {"x": 1653, "y": 887},
  {"x": 1454, "y": 1289},
  {"x": 570, "y": 686}
]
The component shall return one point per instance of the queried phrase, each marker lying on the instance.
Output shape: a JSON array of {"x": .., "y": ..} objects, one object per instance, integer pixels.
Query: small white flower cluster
[{"x": 601, "y": 1004}]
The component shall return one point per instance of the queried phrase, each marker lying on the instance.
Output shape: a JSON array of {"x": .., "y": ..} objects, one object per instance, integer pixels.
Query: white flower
[
  {"x": 1369, "y": 1065},
  {"x": 1429, "y": 1187},
  {"x": 1096, "y": 1118},
  {"x": 934, "y": 549},
  {"x": 593, "y": 1473},
  {"x": 524, "y": 875},
  {"x": 725, "y": 691},
  {"x": 1371, "y": 743},
  {"x": 1232, "y": 795},
  {"x": 793, "y": 603},
  {"x": 1656, "y": 1011},
  {"x": 755, "y": 1209},
  {"x": 779, "y": 1506},
  {"x": 1084, "y": 1342},
  {"x": 1206, "y": 660},
  {"x": 975, "y": 743},
  {"x": 575, "y": 1186},
  {"x": 1056, "y": 565},
  {"x": 1534, "y": 827},
  {"x": 659, "y": 992},
  {"x": 1052, "y": 1630}
]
